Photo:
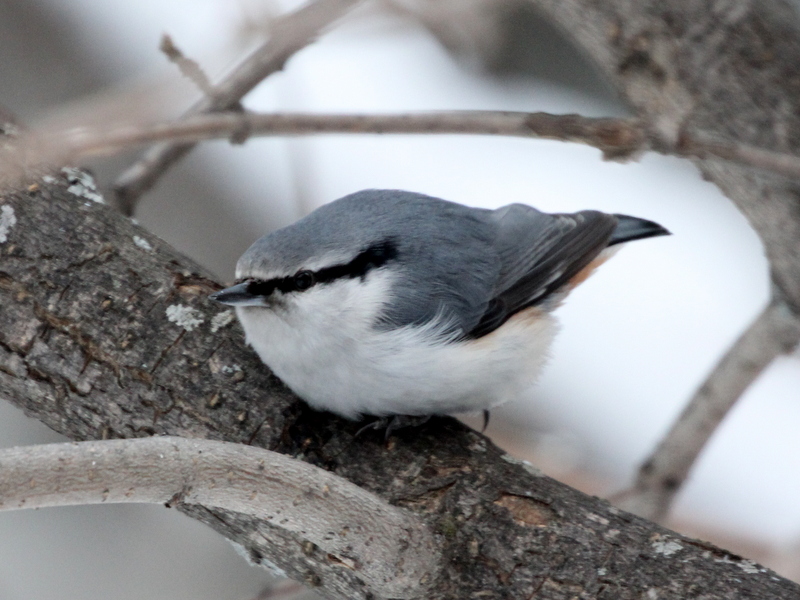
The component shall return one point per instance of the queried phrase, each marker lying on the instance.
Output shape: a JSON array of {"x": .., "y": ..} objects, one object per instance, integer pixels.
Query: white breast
[{"x": 324, "y": 347}]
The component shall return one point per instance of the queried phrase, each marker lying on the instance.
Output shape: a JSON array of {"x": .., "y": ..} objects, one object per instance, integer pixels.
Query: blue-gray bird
[{"x": 398, "y": 305}]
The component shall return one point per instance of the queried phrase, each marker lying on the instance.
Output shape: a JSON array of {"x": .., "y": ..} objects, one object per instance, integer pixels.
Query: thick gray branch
[
  {"x": 107, "y": 332},
  {"x": 100, "y": 337},
  {"x": 390, "y": 548}
]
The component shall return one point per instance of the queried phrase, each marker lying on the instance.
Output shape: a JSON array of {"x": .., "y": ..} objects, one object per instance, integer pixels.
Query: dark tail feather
[{"x": 634, "y": 228}]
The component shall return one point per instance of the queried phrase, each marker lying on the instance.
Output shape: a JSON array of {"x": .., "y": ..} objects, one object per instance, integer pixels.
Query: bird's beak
[{"x": 237, "y": 295}]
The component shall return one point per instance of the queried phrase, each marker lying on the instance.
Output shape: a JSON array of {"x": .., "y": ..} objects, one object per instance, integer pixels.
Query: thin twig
[
  {"x": 388, "y": 547},
  {"x": 701, "y": 145},
  {"x": 189, "y": 68},
  {"x": 776, "y": 331},
  {"x": 618, "y": 139},
  {"x": 290, "y": 34}
]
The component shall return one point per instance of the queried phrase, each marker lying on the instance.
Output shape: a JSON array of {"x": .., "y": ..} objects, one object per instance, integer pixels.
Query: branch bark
[
  {"x": 616, "y": 138},
  {"x": 730, "y": 70},
  {"x": 105, "y": 332},
  {"x": 390, "y": 548}
]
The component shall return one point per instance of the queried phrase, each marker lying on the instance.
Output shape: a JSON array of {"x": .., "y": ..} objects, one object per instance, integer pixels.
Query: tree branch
[
  {"x": 776, "y": 331},
  {"x": 389, "y": 548},
  {"x": 618, "y": 139},
  {"x": 91, "y": 342},
  {"x": 188, "y": 67},
  {"x": 291, "y": 33},
  {"x": 106, "y": 332}
]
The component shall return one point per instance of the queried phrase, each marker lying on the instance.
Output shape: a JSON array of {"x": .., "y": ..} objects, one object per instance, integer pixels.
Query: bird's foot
[
  {"x": 393, "y": 423},
  {"x": 486, "y": 415}
]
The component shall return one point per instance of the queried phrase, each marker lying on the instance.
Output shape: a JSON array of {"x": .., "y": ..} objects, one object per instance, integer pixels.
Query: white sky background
[{"x": 637, "y": 338}]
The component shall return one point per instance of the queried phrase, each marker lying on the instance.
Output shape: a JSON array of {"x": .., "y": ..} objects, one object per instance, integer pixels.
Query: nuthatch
[{"x": 400, "y": 305}]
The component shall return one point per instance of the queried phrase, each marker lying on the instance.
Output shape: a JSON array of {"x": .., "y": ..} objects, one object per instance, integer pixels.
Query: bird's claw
[{"x": 393, "y": 423}]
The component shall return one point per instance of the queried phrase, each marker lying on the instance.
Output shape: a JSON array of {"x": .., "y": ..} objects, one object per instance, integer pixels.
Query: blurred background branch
[
  {"x": 294, "y": 31},
  {"x": 774, "y": 333},
  {"x": 618, "y": 139},
  {"x": 189, "y": 68}
]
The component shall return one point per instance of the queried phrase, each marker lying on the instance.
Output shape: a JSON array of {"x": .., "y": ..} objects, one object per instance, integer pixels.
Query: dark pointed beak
[{"x": 237, "y": 295}]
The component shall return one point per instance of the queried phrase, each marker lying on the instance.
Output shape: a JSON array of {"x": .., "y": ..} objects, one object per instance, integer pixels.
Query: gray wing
[
  {"x": 538, "y": 254},
  {"x": 447, "y": 269}
]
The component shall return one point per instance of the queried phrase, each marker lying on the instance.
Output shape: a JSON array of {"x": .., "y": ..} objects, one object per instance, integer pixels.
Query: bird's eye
[{"x": 304, "y": 280}]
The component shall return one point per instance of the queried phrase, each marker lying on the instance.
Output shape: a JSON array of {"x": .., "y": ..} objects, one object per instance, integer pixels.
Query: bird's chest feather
[
  {"x": 322, "y": 338},
  {"x": 327, "y": 349}
]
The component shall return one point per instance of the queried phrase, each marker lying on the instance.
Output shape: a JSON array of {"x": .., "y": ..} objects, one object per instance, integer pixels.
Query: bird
[{"x": 397, "y": 306}]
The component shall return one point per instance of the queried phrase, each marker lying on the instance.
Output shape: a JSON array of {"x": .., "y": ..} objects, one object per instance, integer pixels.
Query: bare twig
[
  {"x": 290, "y": 34},
  {"x": 618, "y": 139},
  {"x": 776, "y": 331},
  {"x": 189, "y": 68},
  {"x": 389, "y": 548},
  {"x": 700, "y": 145}
]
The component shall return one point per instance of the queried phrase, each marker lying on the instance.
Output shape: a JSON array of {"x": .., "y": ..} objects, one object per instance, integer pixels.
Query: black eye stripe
[
  {"x": 261, "y": 288},
  {"x": 373, "y": 257}
]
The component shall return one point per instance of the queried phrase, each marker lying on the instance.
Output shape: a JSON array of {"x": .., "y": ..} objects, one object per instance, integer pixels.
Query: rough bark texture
[
  {"x": 730, "y": 67},
  {"x": 102, "y": 337},
  {"x": 91, "y": 344},
  {"x": 392, "y": 548}
]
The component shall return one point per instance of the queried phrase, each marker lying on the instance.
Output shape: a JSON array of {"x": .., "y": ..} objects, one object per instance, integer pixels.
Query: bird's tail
[{"x": 634, "y": 228}]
